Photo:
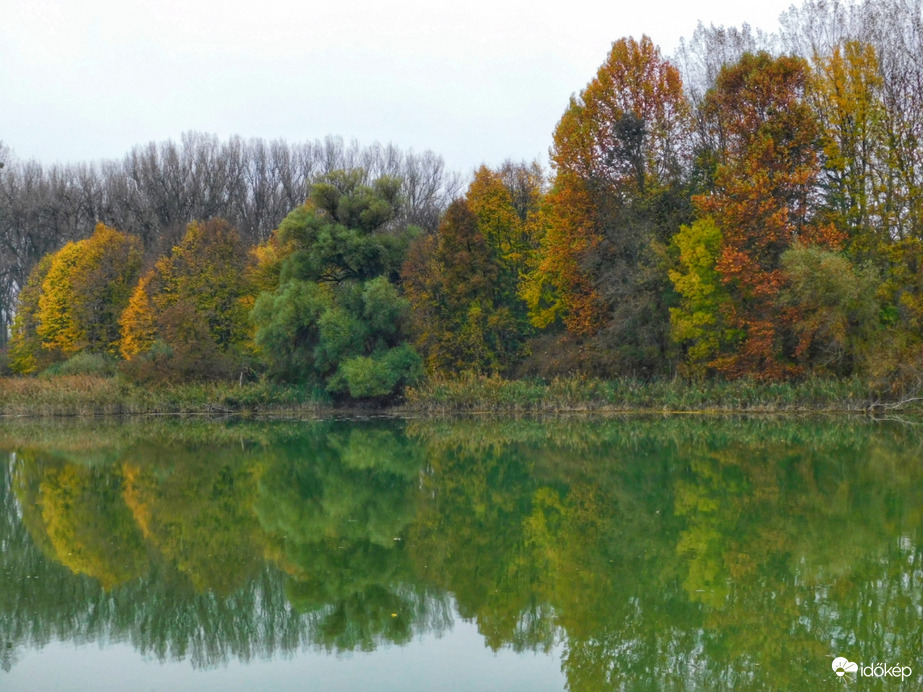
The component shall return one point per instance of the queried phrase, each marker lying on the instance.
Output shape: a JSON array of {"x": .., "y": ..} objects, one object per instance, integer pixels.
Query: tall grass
[
  {"x": 91, "y": 395},
  {"x": 577, "y": 393},
  {"x": 94, "y": 395}
]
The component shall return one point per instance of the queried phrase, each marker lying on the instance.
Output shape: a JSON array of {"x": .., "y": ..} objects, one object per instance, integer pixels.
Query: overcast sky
[{"x": 477, "y": 81}]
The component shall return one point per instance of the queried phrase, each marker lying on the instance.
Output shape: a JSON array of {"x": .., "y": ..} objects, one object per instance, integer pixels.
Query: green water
[{"x": 636, "y": 554}]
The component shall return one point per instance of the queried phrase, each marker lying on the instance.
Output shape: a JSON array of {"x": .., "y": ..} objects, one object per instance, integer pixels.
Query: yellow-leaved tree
[
  {"x": 698, "y": 323},
  {"x": 137, "y": 323},
  {"x": 187, "y": 317},
  {"x": 73, "y": 299},
  {"x": 26, "y": 352}
]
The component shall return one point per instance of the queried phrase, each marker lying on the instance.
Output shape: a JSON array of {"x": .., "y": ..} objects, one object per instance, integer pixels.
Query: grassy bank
[
  {"x": 88, "y": 395},
  {"x": 485, "y": 394}
]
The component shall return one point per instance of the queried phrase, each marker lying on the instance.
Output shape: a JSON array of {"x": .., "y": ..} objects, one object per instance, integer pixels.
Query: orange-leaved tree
[
  {"x": 762, "y": 203},
  {"x": 620, "y": 154}
]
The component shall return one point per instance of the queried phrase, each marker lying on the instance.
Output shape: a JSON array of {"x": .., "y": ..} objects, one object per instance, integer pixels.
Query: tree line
[
  {"x": 156, "y": 190},
  {"x": 750, "y": 208}
]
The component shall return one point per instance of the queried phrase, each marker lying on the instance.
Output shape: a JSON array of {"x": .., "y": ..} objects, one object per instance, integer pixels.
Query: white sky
[{"x": 477, "y": 81}]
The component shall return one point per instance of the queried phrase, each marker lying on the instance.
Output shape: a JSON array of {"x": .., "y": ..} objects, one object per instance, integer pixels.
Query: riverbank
[
  {"x": 486, "y": 394},
  {"x": 87, "y": 396},
  {"x": 90, "y": 395}
]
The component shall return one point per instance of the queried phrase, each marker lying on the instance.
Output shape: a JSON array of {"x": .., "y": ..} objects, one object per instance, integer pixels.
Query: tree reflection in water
[{"x": 659, "y": 553}]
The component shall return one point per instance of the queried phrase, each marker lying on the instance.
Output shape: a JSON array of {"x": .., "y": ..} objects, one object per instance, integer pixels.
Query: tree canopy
[{"x": 336, "y": 318}]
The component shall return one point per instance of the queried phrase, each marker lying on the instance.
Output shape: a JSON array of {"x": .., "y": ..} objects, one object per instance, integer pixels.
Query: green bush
[
  {"x": 365, "y": 377},
  {"x": 97, "y": 364}
]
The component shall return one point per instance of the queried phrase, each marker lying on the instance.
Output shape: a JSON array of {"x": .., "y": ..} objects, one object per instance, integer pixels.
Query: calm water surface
[{"x": 638, "y": 554}]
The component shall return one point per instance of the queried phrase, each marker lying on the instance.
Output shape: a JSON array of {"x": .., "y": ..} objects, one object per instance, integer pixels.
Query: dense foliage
[
  {"x": 336, "y": 319},
  {"x": 187, "y": 317},
  {"x": 155, "y": 191},
  {"x": 463, "y": 281},
  {"x": 74, "y": 298},
  {"x": 750, "y": 209}
]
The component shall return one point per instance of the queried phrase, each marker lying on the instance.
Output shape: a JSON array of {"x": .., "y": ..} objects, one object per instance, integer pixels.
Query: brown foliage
[{"x": 762, "y": 202}]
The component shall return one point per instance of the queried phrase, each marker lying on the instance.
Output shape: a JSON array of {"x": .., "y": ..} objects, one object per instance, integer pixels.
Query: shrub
[{"x": 83, "y": 363}]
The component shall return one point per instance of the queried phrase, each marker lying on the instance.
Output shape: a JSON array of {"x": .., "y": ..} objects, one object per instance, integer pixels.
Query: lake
[{"x": 673, "y": 553}]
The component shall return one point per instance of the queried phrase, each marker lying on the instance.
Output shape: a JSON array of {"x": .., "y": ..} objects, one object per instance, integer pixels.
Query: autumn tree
[
  {"x": 187, "y": 316},
  {"x": 837, "y": 308},
  {"x": 138, "y": 321},
  {"x": 74, "y": 298},
  {"x": 846, "y": 96},
  {"x": 507, "y": 202},
  {"x": 558, "y": 290},
  {"x": 897, "y": 365},
  {"x": 698, "y": 323},
  {"x": 463, "y": 282},
  {"x": 762, "y": 203},
  {"x": 55, "y": 323},
  {"x": 85, "y": 291},
  {"x": 620, "y": 155},
  {"x": 336, "y": 319},
  {"x": 454, "y": 281},
  {"x": 26, "y": 353}
]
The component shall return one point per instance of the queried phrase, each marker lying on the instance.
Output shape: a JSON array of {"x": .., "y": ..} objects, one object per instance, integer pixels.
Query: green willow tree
[{"x": 336, "y": 319}]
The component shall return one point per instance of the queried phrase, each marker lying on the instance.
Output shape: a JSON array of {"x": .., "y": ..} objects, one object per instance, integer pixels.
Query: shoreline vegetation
[
  {"x": 744, "y": 239},
  {"x": 97, "y": 396}
]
